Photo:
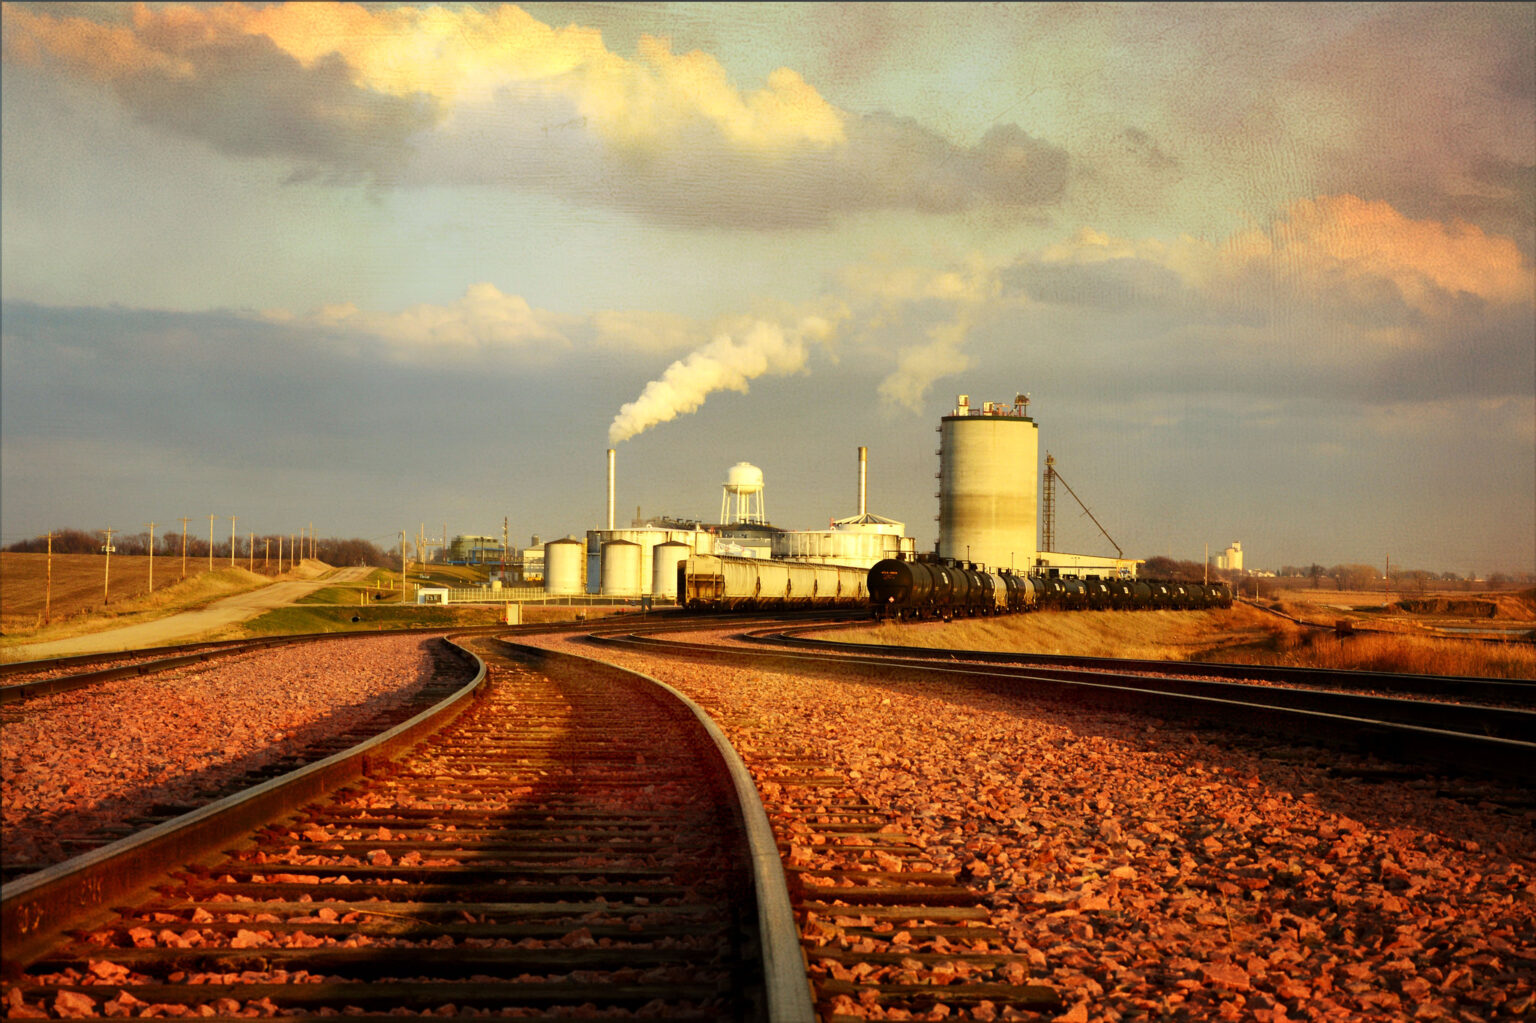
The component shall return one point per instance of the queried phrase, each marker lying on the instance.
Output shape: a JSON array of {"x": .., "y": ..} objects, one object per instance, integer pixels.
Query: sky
[{"x": 1265, "y": 271}]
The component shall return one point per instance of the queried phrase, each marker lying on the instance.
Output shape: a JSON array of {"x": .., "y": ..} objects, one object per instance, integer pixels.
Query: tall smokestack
[
  {"x": 610, "y": 488},
  {"x": 863, "y": 473}
]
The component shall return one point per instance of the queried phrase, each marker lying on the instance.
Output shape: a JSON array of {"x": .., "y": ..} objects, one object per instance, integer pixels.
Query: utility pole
[
  {"x": 251, "y": 565},
  {"x": 232, "y": 541},
  {"x": 266, "y": 553},
  {"x": 210, "y": 541},
  {"x": 106, "y": 571},
  {"x": 48, "y": 593},
  {"x": 402, "y": 566},
  {"x": 183, "y": 546},
  {"x": 151, "y": 557},
  {"x": 279, "y": 555},
  {"x": 504, "y": 550}
]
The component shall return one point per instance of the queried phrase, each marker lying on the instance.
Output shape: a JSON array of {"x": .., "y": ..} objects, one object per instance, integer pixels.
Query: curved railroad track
[
  {"x": 1443, "y": 736},
  {"x": 553, "y": 835},
  {"x": 1460, "y": 688}
]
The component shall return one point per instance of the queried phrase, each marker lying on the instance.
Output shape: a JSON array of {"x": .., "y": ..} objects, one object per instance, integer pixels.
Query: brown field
[
  {"x": 76, "y": 602},
  {"x": 1243, "y": 635}
]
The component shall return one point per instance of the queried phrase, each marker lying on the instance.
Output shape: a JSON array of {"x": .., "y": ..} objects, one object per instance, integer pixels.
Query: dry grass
[
  {"x": 1243, "y": 635},
  {"x": 77, "y": 605}
]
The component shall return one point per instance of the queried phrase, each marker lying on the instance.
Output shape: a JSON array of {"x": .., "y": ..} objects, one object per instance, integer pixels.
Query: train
[
  {"x": 902, "y": 589},
  {"x": 943, "y": 589},
  {"x": 718, "y": 582}
]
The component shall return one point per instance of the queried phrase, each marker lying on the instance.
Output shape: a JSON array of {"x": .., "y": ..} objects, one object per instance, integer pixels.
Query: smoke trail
[{"x": 728, "y": 362}]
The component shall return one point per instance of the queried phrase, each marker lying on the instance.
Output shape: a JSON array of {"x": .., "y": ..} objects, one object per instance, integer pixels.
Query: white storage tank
[
  {"x": 562, "y": 568},
  {"x": 665, "y": 557},
  {"x": 621, "y": 569},
  {"x": 988, "y": 499}
]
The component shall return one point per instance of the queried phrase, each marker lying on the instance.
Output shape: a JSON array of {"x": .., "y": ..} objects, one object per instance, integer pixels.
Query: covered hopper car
[{"x": 707, "y": 581}]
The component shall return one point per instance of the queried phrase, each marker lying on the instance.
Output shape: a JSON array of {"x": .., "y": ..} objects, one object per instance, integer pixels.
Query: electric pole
[
  {"x": 48, "y": 593},
  {"x": 266, "y": 553},
  {"x": 232, "y": 541},
  {"x": 106, "y": 571},
  {"x": 251, "y": 563},
  {"x": 402, "y": 566},
  {"x": 210, "y": 541},
  {"x": 183, "y": 546},
  {"x": 151, "y": 557}
]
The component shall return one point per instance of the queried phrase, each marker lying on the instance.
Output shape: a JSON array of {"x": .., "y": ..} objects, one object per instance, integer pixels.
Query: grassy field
[{"x": 1243, "y": 635}]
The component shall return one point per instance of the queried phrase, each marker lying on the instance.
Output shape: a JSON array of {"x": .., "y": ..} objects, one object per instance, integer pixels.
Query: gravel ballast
[
  {"x": 1154, "y": 872},
  {"x": 77, "y": 764}
]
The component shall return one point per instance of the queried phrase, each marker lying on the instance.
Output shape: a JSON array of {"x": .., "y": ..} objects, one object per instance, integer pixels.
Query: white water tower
[{"x": 742, "y": 501}]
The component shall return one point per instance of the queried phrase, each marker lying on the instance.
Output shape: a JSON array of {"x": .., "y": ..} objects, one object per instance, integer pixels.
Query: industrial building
[
  {"x": 467, "y": 549},
  {"x": 862, "y": 539},
  {"x": 1231, "y": 559},
  {"x": 989, "y": 507},
  {"x": 989, "y": 514},
  {"x": 642, "y": 560}
]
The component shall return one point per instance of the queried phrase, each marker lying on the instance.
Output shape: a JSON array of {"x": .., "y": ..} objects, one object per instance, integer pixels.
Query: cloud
[
  {"x": 483, "y": 320},
  {"x": 1341, "y": 252},
  {"x": 193, "y": 71},
  {"x": 422, "y": 96}
]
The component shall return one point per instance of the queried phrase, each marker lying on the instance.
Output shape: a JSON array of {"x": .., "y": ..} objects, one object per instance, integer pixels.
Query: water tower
[{"x": 742, "y": 501}]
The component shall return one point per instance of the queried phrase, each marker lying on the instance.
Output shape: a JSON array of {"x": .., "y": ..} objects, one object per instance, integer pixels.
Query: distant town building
[{"x": 1231, "y": 559}]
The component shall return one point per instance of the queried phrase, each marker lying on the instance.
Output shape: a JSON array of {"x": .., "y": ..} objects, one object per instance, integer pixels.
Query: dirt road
[{"x": 186, "y": 626}]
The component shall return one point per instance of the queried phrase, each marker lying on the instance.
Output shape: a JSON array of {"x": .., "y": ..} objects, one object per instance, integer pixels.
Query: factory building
[
  {"x": 861, "y": 539},
  {"x": 989, "y": 509},
  {"x": 467, "y": 549}
]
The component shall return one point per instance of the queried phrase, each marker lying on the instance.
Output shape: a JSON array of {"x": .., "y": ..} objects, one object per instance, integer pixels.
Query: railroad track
[
  {"x": 1498, "y": 692},
  {"x": 555, "y": 834},
  {"x": 1448, "y": 737},
  {"x": 62, "y": 674}
]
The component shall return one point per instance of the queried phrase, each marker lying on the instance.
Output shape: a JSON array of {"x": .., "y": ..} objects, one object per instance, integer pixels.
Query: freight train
[
  {"x": 920, "y": 589},
  {"x": 946, "y": 589},
  {"x": 709, "y": 581}
]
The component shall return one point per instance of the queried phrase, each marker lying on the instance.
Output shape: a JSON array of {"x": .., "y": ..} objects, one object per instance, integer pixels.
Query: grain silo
[{"x": 988, "y": 496}]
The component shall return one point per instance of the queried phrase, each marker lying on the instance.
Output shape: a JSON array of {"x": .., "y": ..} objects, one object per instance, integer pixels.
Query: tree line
[{"x": 331, "y": 550}]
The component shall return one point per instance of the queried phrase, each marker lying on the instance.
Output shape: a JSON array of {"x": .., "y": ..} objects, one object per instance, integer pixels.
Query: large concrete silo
[{"x": 988, "y": 494}]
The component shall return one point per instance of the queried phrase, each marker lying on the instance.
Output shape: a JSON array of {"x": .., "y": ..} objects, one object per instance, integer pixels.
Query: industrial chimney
[
  {"x": 863, "y": 475},
  {"x": 610, "y": 488}
]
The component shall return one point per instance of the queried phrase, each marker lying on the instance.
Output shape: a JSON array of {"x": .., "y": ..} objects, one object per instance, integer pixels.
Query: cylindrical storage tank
[
  {"x": 988, "y": 496},
  {"x": 621, "y": 569},
  {"x": 562, "y": 568},
  {"x": 665, "y": 557}
]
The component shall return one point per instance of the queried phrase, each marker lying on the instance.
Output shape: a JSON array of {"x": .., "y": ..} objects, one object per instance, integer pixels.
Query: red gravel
[
  {"x": 78, "y": 762},
  {"x": 1154, "y": 872}
]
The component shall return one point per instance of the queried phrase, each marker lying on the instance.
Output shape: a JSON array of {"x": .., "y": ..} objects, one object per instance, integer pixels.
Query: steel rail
[
  {"x": 1487, "y": 690},
  {"x": 1418, "y": 735},
  {"x": 788, "y": 992},
  {"x": 36, "y": 909}
]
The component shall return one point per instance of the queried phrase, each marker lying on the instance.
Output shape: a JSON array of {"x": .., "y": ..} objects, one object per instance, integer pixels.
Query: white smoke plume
[{"x": 743, "y": 351}]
